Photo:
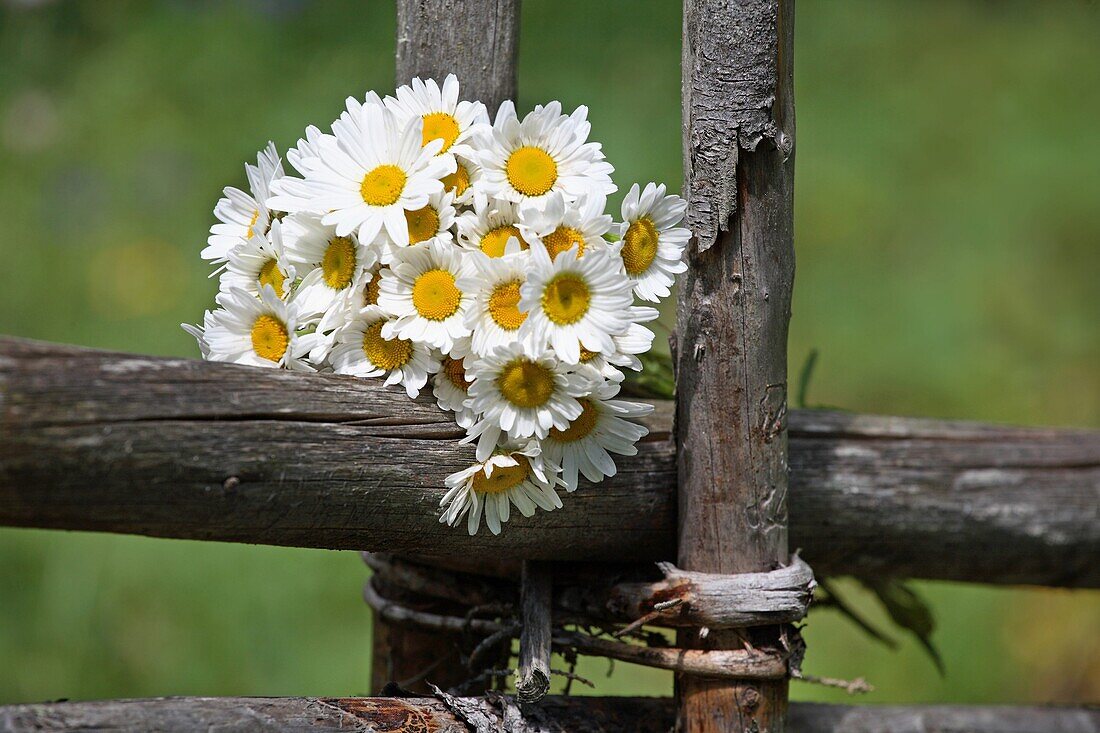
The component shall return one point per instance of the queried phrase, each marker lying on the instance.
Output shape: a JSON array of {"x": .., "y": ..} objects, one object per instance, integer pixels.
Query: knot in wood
[{"x": 748, "y": 699}]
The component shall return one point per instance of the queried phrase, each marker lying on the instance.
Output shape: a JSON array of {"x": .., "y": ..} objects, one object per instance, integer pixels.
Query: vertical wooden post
[
  {"x": 536, "y": 591},
  {"x": 734, "y": 308},
  {"x": 477, "y": 41}
]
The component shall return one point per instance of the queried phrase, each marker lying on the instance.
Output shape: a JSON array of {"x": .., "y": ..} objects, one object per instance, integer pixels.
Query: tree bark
[
  {"x": 734, "y": 309},
  {"x": 481, "y": 715},
  {"x": 97, "y": 441},
  {"x": 702, "y": 599},
  {"x": 533, "y": 672},
  {"x": 475, "y": 39}
]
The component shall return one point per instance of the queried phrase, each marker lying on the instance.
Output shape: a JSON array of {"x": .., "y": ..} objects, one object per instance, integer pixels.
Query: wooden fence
[{"x": 91, "y": 440}]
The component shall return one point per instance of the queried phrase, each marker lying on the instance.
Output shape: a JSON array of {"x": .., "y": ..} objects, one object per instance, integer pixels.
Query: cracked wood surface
[
  {"x": 533, "y": 667},
  {"x": 486, "y": 715},
  {"x": 475, "y": 39},
  {"x": 732, "y": 318},
  {"x": 99, "y": 441}
]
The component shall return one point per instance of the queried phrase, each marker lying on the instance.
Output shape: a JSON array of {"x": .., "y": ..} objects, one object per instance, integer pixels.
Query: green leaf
[
  {"x": 909, "y": 611},
  {"x": 805, "y": 376},
  {"x": 835, "y": 601},
  {"x": 656, "y": 378}
]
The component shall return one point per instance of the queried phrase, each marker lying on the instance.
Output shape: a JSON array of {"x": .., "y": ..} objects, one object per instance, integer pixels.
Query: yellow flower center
[
  {"x": 440, "y": 126},
  {"x": 587, "y": 356},
  {"x": 435, "y": 296},
  {"x": 423, "y": 224},
  {"x": 504, "y": 478},
  {"x": 269, "y": 337},
  {"x": 563, "y": 239},
  {"x": 458, "y": 181},
  {"x": 456, "y": 373},
  {"x": 526, "y": 383},
  {"x": 581, "y": 427},
  {"x": 370, "y": 292},
  {"x": 251, "y": 223},
  {"x": 504, "y": 306},
  {"x": 566, "y": 299},
  {"x": 639, "y": 246},
  {"x": 338, "y": 264},
  {"x": 270, "y": 274},
  {"x": 531, "y": 171},
  {"x": 385, "y": 354},
  {"x": 383, "y": 185},
  {"x": 495, "y": 240}
]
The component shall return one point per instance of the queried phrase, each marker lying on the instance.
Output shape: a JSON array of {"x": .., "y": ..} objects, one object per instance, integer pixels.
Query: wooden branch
[
  {"x": 714, "y": 601},
  {"x": 724, "y": 664},
  {"x": 475, "y": 39},
  {"x": 340, "y": 715},
  {"x": 533, "y": 673},
  {"x": 731, "y": 333},
  {"x": 591, "y": 594},
  {"x": 398, "y": 613},
  {"x": 574, "y": 714},
  {"x": 821, "y": 718},
  {"x": 98, "y": 441},
  {"x": 719, "y": 664}
]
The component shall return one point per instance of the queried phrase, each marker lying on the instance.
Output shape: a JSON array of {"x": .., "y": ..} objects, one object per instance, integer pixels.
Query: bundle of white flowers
[{"x": 421, "y": 242}]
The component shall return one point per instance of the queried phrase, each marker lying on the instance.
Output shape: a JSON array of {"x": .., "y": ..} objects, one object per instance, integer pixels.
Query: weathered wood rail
[
  {"x": 574, "y": 714},
  {"x": 91, "y": 440}
]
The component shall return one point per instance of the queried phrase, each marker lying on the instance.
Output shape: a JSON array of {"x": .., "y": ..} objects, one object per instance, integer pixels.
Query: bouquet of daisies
[{"x": 423, "y": 242}]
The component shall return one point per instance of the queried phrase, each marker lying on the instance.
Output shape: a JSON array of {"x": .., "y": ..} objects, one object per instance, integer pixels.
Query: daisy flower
[
  {"x": 335, "y": 267},
  {"x": 361, "y": 293},
  {"x": 600, "y": 430},
  {"x": 544, "y": 153},
  {"x": 360, "y": 349},
  {"x": 260, "y": 261},
  {"x": 199, "y": 333},
  {"x": 495, "y": 318},
  {"x": 515, "y": 474},
  {"x": 573, "y": 303},
  {"x": 307, "y": 147},
  {"x": 560, "y": 226},
  {"x": 257, "y": 331},
  {"x": 652, "y": 246},
  {"x": 464, "y": 183},
  {"x": 443, "y": 116},
  {"x": 422, "y": 292},
  {"x": 351, "y": 119},
  {"x": 367, "y": 177},
  {"x": 430, "y": 222},
  {"x": 241, "y": 213},
  {"x": 451, "y": 388},
  {"x": 490, "y": 226},
  {"x": 523, "y": 393},
  {"x": 637, "y": 339}
]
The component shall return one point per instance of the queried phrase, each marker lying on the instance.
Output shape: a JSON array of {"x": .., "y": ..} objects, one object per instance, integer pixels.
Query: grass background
[{"x": 948, "y": 239}]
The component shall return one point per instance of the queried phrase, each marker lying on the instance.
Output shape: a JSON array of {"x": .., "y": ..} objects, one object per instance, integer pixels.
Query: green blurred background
[{"x": 948, "y": 236}]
